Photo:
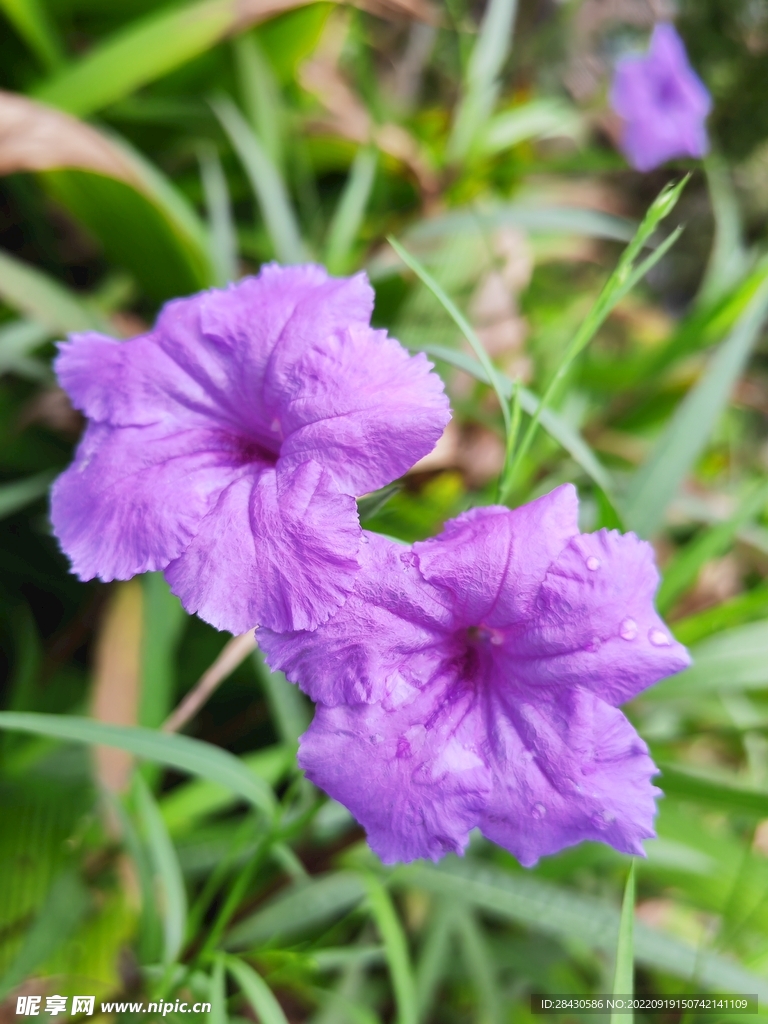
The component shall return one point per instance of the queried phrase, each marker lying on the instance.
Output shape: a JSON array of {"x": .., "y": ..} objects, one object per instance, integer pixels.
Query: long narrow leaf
[
  {"x": 44, "y": 300},
  {"x": 179, "y": 752},
  {"x": 267, "y": 184},
  {"x": 736, "y": 659},
  {"x": 351, "y": 209},
  {"x": 220, "y": 224},
  {"x": 557, "y": 428},
  {"x": 20, "y": 493},
  {"x": 167, "y": 871},
  {"x": 31, "y": 21},
  {"x": 624, "y": 972},
  {"x": 256, "y": 991},
  {"x": 657, "y": 481},
  {"x": 396, "y": 948},
  {"x": 559, "y": 912},
  {"x": 148, "y": 48}
]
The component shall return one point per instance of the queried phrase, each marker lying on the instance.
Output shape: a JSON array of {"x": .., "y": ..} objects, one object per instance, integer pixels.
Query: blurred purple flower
[
  {"x": 472, "y": 681},
  {"x": 663, "y": 103},
  {"x": 226, "y": 445}
]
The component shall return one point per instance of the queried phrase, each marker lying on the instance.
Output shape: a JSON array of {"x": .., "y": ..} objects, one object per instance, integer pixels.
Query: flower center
[
  {"x": 483, "y": 635},
  {"x": 249, "y": 451}
]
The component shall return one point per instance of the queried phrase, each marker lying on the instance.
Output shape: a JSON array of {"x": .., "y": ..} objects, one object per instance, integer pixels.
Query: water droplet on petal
[
  {"x": 593, "y": 564},
  {"x": 628, "y": 629},
  {"x": 538, "y": 810},
  {"x": 659, "y": 638},
  {"x": 603, "y": 819},
  {"x": 527, "y": 755}
]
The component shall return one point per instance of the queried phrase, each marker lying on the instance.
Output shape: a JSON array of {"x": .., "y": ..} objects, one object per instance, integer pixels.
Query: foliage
[{"x": 138, "y": 865}]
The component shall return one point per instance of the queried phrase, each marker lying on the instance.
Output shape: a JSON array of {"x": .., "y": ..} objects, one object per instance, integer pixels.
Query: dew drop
[
  {"x": 603, "y": 819},
  {"x": 538, "y": 810},
  {"x": 527, "y": 755},
  {"x": 659, "y": 638},
  {"x": 628, "y": 629},
  {"x": 593, "y": 564}
]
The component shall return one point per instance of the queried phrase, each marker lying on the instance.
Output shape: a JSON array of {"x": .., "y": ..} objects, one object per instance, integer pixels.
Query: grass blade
[
  {"x": 173, "y": 906},
  {"x": 536, "y": 119},
  {"x": 181, "y": 752},
  {"x": 682, "y": 570},
  {"x": 298, "y": 909},
  {"x": 461, "y": 322},
  {"x": 20, "y": 493},
  {"x": 31, "y": 21},
  {"x": 260, "y": 95},
  {"x": 256, "y": 991},
  {"x": 565, "y": 435},
  {"x": 556, "y": 911},
  {"x": 266, "y": 182},
  {"x": 164, "y": 621},
  {"x": 289, "y": 709},
  {"x": 712, "y": 792},
  {"x": 44, "y": 300},
  {"x": 350, "y": 211},
  {"x": 147, "y": 49},
  {"x": 17, "y": 340},
  {"x": 434, "y": 958},
  {"x": 479, "y": 962},
  {"x": 64, "y": 908},
  {"x": 396, "y": 948},
  {"x": 220, "y": 223},
  {"x": 736, "y": 659},
  {"x": 657, "y": 481},
  {"x": 624, "y": 974},
  {"x": 218, "y": 993},
  {"x": 738, "y": 611},
  {"x": 481, "y": 85},
  {"x": 622, "y": 280}
]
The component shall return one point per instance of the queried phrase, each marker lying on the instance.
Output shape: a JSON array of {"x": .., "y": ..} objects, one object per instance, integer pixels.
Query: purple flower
[
  {"x": 227, "y": 444},
  {"x": 663, "y": 103},
  {"x": 472, "y": 681}
]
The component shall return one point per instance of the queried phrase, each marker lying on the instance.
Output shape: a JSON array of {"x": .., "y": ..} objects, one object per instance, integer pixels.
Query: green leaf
[
  {"x": 300, "y": 908},
  {"x": 657, "y": 481},
  {"x": 620, "y": 283},
  {"x": 710, "y": 791},
  {"x": 164, "y": 621},
  {"x": 728, "y": 259},
  {"x": 184, "y": 806},
  {"x": 481, "y": 86},
  {"x": 479, "y": 962},
  {"x": 31, "y": 21},
  {"x": 41, "y": 298},
  {"x": 350, "y": 211},
  {"x": 536, "y": 119},
  {"x": 556, "y": 427},
  {"x": 434, "y": 959},
  {"x": 736, "y": 659},
  {"x": 20, "y": 493},
  {"x": 220, "y": 224},
  {"x": 396, "y": 948},
  {"x": 64, "y": 908},
  {"x": 492, "y": 374},
  {"x": 17, "y": 340},
  {"x": 260, "y": 95},
  {"x": 173, "y": 904},
  {"x": 180, "y": 752},
  {"x": 682, "y": 570},
  {"x": 739, "y": 610},
  {"x": 218, "y": 993},
  {"x": 624, "y": 972},
  {"x": 145, "y": 50},
  {"x": 266, "y": 182},
  {"x": 368, "y": 506},
  {"x": 567, "y": 220},
  {"x": 571, "y": 916},
  {"x": 256, "y": 991},
  {"x": 290, "y": 712}
]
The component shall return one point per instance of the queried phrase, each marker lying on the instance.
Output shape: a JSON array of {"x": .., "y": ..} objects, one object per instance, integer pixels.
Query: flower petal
[
  {"x": 365, "y": 408},
  {"x": 208, "y": 354},
  {"x": 595, "y": 624},
  {"x": 279, "y": 549},
  {"x": 134, "y": 497},
  {"x": 384, "y": 634},
  {"x": 567, "y": 770},
  {"x": 410, "y": 775},
  {"x": 492, "y": 560}
]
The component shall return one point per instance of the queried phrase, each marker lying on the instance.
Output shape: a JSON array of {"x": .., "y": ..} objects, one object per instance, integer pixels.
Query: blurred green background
[{"x": 148, "y": 151}]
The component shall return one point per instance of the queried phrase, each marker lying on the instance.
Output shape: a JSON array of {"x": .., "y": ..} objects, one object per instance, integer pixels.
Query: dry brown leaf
[
  {"x": 235, "y": 651},
  {"x": 35, "y": 137},
  {"x": 117, "y": 678}
]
